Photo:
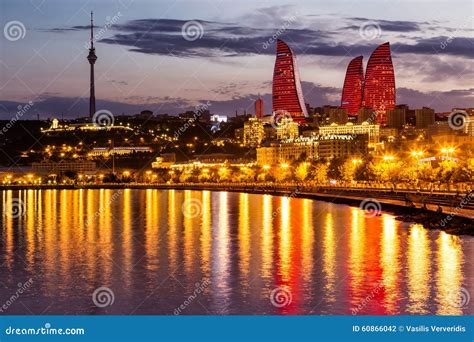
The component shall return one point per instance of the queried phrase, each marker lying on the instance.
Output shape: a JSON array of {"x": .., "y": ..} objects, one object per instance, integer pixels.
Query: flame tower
[
  {"x": 286, "y": 91},
  {"x": 92, "y": 58},
  {"x": 379, "y": 85},
  {"x": 353, "y": 85}
]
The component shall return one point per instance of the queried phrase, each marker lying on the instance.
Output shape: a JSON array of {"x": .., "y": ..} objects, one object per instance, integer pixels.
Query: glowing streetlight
[
  {"x": 388, "y": 157},
  {"x": 266, "y": 167},
  {"x": 284, "y": 166}
]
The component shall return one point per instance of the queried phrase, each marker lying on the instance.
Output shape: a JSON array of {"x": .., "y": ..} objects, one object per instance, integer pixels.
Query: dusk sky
[{"x": 144, "y": 62}]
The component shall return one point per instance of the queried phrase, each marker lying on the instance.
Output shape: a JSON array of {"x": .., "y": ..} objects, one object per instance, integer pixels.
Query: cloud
[
  {"x": 441, "y": 101},
  {"x": 68, "y": 29},
  {"x": 456, "y": 46},
  {"x": 164, "y": 37},
  {"x": 389, "y": 25}
]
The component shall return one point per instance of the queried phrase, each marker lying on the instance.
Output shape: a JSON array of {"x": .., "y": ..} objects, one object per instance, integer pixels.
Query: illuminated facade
[
  {"x": 379, "y": 85},
  {"x": 372, "y": 130},
  {"x": 254, "y": 132},
  {"x": 286, "y": 92},
  {"x": 287, "y": 129},
  {"x": 353, "y": 84}
]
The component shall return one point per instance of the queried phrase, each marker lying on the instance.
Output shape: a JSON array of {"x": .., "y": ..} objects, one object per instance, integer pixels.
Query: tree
[
  {"x": 320, "y": 174},
  {"x": 302, "y": 171}
]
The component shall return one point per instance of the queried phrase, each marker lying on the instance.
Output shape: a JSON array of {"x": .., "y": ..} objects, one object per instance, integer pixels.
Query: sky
[{"x": 171, "y": 56}]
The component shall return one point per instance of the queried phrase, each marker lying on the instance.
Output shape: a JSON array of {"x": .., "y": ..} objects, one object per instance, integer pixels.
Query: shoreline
[{"x": 453, "y": 220}]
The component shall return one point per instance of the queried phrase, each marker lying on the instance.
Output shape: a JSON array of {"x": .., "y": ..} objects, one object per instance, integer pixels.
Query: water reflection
[{"x": 145, "y": 246}]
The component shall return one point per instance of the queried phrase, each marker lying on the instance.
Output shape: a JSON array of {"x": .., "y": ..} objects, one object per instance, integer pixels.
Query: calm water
[{"x": 222, "y": 253}]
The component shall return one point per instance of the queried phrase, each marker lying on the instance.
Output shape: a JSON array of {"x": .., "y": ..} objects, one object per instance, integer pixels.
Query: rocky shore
[{"x": 448, "y": 223}]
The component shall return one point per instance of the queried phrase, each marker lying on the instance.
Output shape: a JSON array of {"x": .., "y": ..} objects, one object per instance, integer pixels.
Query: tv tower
[{"x": 92, "y": 58}]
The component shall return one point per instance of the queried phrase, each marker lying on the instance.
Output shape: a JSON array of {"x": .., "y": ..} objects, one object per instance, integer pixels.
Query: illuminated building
[
  {"x": 63, "y": 166},
  {"x": 287, "y": 129},
  {"x": 286, "y": 92},
  {"x": 424, "y": 117},
  {"x": 120, "y": 151},
  {"x": 312, "y": 148},
  {"x": 254, "y": 132},
  {"x": 85, "y": 127},
  {"x": 218, "y": 118},
  {"x": 372, "y": 130},
  {"x": 379, "y": 84},
  {"x": 353, "y": 84},
  {"x": 259, "y": 112},
  {"x": 340, "y": 146}
]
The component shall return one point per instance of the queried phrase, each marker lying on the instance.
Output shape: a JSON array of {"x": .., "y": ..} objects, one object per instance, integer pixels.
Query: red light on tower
[
  {"x": 353, "y": 84},
  {"x": 286, "y": 92}
]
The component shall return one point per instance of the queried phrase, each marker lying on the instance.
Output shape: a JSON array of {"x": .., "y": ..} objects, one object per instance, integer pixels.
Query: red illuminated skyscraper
[
  {"x": 259, "y": 108},
  {"x": 379, "y": 87},
  {"x": 353, "y": 84},
  {"x": 286, "y": 92}
]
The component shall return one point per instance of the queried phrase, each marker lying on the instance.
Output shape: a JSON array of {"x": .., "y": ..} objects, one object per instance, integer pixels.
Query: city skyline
[{"x": 242, "y": 64}]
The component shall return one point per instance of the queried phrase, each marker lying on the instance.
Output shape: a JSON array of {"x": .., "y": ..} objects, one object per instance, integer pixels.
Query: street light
[
  {"x": 266, "y": 167},
  {"x": 388, "y": 157}
]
